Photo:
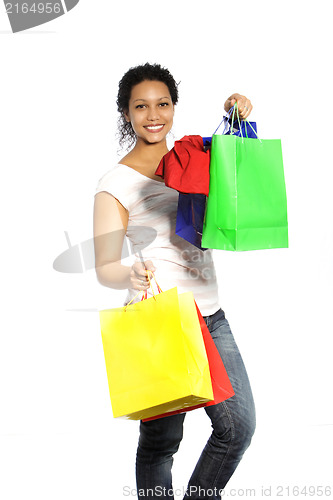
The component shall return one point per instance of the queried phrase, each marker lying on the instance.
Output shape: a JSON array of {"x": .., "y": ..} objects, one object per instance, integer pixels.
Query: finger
[
  {"x": 234, "y": 96},
  {"x": 240, "y": 105},
  {"x": 142, "y": 284},
  {"x": 149, "y": 266},
  {"x": 140, "y": 272},
  {"x": 247, "y": 110},
  {"x": 141, "y": 268},
  {"x": 229, "y": 103},
  {"x": 244, "y": 108},
  {"x": 142, "y": 276}
]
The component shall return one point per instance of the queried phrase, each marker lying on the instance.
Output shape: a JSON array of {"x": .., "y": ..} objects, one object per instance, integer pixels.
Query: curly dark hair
[{"x": 138, "y": 74}]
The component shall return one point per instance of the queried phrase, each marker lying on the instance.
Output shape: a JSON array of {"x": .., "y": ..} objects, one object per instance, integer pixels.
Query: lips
[{"x": 154, "y": 129}]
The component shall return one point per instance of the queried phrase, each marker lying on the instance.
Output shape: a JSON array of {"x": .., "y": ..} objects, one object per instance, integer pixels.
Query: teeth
[{"x": 155, "y": 127}]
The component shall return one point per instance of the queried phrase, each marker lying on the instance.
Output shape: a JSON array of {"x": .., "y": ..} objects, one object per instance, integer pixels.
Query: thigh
[{"x": 238, "y": 410}]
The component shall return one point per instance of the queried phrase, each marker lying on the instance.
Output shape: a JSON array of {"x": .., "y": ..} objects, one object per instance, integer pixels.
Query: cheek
[
  {"x": 169, "y": 115},
  {"x": 134, "y": 120},
  {"x": 171, "y": 120}
]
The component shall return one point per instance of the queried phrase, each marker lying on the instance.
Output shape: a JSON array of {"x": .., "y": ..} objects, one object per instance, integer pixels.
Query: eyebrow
[{"x": 158, "y": 99}]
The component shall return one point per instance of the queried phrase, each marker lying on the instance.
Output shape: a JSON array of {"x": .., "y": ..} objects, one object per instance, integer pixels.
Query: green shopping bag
[{"x": 247, "y": 205}]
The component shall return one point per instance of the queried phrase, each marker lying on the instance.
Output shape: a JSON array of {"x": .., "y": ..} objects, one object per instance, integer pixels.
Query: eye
[
  {"x": 140, "y": 106},
  {"x": 163, "y": 104}
]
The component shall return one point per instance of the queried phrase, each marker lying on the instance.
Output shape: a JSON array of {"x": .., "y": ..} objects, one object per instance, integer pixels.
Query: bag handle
[
  {"x": 225, "y": 118},
  {"x": 144, "y": 294},
  {"x": 235, "y": 108},
  {"x": 233, "y": 111},
  {"x": 252, "y": 129},
  {"x": 151, "y": 286},
  {"x": 246, "y": 123}
]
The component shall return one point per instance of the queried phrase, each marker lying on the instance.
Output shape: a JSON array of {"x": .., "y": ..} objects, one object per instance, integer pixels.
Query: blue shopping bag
[{"x": 190, "y": 216}]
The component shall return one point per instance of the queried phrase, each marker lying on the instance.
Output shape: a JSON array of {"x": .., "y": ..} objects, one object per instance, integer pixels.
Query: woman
[{"x": 132, "y": 200}]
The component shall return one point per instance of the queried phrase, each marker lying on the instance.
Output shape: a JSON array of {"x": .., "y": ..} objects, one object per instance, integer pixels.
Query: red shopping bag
[
  {"x": 186, "y": 166},
  {"x": 222, "y": 388}
]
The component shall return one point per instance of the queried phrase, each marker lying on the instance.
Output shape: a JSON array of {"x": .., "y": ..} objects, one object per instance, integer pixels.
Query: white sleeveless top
[{"x": 152, "y": 209}]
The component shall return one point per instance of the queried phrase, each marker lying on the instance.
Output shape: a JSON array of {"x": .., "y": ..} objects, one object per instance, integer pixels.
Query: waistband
[{"x": 219, "y": 314}]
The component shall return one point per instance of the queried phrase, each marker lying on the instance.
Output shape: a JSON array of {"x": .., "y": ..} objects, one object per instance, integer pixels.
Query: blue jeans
[{"x": 233, "y": 423}]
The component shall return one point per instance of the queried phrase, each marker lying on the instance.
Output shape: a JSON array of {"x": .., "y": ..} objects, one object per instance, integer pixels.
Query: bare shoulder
[
  {"x": 130, "y": 160},
  {"x": 124, "y": 160},
  {"x": 141, "y": 165}
]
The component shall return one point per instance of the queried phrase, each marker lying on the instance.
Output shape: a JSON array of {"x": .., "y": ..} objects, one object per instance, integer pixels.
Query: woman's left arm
[{"x": 243, "y": 103}]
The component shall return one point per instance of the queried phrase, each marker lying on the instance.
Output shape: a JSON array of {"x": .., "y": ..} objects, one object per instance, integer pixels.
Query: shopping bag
[
  {"x": 155, "y": 356},
  {"x": 222, "y": 388},
  {"x": 191, "y": 206},
  {"x": 247, "y": 206},
  {"x": 245, "y": 129},
  {"x": 190, "y": 216},
  {"x": 186, "y": 166}
]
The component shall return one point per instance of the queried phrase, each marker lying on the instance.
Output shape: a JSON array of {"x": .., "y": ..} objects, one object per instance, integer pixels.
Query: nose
[{"x": 153, "y": 113}]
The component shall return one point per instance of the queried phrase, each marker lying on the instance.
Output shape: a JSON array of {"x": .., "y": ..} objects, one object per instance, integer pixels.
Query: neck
[{"x": 150, "y": 153}]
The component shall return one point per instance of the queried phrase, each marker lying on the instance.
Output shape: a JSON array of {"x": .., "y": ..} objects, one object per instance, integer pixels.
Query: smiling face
[{"x": 150, "y": 111}]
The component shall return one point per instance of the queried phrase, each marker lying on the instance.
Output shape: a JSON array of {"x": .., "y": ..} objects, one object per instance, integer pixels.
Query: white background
[{"x": 58, "y": 438}]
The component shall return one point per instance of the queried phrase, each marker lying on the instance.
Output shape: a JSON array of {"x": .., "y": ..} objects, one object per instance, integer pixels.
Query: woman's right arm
[{"x": 110, "y": 224}]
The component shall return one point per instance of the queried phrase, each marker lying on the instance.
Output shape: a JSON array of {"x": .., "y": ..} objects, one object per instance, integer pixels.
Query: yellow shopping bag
[{"x": 155, "y": 356}]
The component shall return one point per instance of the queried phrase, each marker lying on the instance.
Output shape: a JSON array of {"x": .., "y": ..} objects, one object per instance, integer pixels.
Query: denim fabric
[{"x": 233, "y": 423}]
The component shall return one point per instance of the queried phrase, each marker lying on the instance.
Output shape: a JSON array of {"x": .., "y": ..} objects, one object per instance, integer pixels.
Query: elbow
[
  {"x": 112, "y": 274},
  {"x": 107, "y": 275},
  {"x": 100, "y": 275}
]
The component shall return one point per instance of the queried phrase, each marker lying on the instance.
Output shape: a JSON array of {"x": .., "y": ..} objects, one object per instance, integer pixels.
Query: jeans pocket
[{"x": 220, "y": 328}]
